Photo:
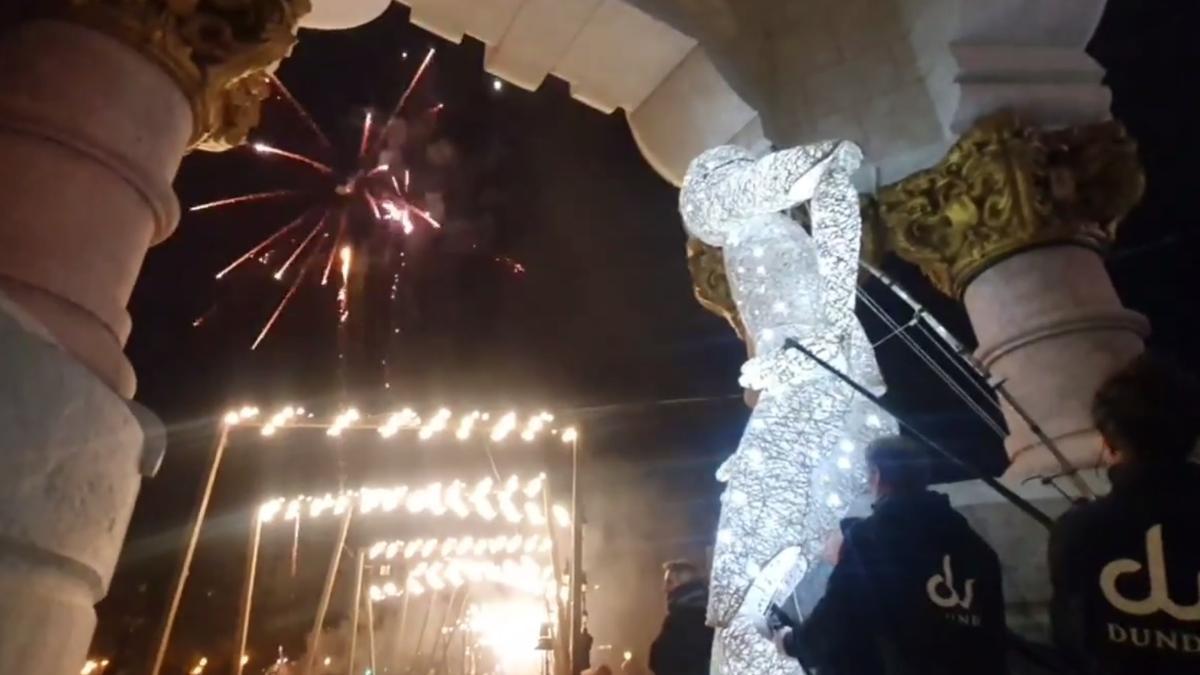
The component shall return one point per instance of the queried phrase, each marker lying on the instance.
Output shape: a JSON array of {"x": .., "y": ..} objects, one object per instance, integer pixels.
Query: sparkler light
[{"x": 370, "y": 188}]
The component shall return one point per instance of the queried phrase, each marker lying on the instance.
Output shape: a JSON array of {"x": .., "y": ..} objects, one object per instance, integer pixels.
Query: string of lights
[
  {"x": 458, "y": 546},
  {"x": 522, "y": 574},
  {"x": 497, "y": 427},
  {"x": 486, "y": 499}
]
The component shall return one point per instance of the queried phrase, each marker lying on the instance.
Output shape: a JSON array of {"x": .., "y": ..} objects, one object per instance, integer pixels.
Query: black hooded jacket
[
  {"x": 1126, "y": 574},
  {"x": 684, "y": 645},
  {"x": 915, "y": 591}
]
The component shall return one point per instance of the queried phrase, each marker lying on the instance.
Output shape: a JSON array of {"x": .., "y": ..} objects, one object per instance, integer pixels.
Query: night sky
[{"x": 602, "y": 326}]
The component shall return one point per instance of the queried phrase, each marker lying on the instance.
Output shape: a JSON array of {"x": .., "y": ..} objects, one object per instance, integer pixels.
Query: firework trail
[{"x": 354, "y": 216}]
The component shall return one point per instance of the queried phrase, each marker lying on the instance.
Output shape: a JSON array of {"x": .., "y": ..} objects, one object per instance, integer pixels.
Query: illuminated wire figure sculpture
[{"x": 800, "y": 463}]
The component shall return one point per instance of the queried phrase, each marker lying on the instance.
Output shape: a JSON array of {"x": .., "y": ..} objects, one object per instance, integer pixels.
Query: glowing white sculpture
[{"x": 800, "y": 462}]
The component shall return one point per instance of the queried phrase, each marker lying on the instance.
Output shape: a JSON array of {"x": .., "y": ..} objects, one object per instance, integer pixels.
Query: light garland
[
  {"x": 485, "y": 500},
  {"x": 522, "y": 574},
  {"x": 389, "y": 425},
  {"x": 451, "y": 547},
  {"x": 800, "y": 463}
]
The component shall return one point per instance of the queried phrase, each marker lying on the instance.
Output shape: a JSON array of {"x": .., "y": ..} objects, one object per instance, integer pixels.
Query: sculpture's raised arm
[
  {"x": 837, "y": 232},
  {"x": 727, "y": 185}
]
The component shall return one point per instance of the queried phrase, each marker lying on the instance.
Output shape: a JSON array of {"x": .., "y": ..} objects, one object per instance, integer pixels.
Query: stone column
[
  {"x": 1013, "y": 222},
  {"x": 97, "y": 107},
  {"x": 1052, "y": 349}
]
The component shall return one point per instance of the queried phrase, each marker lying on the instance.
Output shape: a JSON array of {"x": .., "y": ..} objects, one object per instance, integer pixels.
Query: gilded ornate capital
[
  {"x": 1005, "y": 187},
  {"x": 220, "y": 52},
  {"x": 707, "y": 267}
]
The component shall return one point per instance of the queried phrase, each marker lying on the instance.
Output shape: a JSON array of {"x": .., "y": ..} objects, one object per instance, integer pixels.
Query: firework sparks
[
  {"x": 287, "y": 297},
  {"x": 303, "y": 244},
  {"x": 300, "y": 110},
  {"x": 510, "y": 264},
  {"x": 263, "y": 244},
  {"x": 264, "y": 149},
  {"x": 406, "y": 222},
  {"x": 376, "y": 189},
  {"x": 255, "y": 197},
  {"x": 204, "y": 317},
  {"x": 428, "y": 218},
  {"x": 346, "y": 255},
  {"x": 413, "y": 83},
  {"x": 374, "y": 204},
  {"x": 341, "y": 233},
  {"x": 366, "y": 134}
]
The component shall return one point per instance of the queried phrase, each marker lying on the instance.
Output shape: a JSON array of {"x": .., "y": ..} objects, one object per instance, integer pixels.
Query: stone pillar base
[
  {"x": 70, "y": 455},
  {"x": 1051, "y": 326}
]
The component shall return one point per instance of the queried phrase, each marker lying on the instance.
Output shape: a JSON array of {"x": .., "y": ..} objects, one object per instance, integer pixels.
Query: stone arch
[
  {"x": 614, "y": 55},
  {"x": 900, "y": 77}
]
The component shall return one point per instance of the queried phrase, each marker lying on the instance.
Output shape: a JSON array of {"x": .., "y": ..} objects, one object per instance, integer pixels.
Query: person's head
[
  {"x": 896, "y": 465},
  {"x": 1148, "y": 413},
  {"x": 679, "y": 572}
]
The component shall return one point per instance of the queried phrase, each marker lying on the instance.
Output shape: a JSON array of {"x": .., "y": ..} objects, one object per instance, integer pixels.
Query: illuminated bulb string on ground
[{"x": 800, "y": 463}]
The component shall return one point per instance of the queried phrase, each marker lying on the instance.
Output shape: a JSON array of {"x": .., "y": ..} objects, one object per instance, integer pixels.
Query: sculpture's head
[{"x": 700, "y": 200}]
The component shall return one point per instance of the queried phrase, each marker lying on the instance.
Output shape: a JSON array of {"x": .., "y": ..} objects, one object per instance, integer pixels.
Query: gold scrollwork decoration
[
  {"x": 1006, "y": 187},
  {"x": 220, "y": 52},
  {"x": 707, "y": 266}
]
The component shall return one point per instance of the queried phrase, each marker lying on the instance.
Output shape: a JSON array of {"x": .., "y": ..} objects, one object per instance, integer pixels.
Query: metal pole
[
  {"x": 919, "y": 313},
  {"x": 560, "y": 644},
  {"x": 330, "y": 576},
  {"x": 295, "y": 546},
  {"x": 1017, "y": 500},
  {"x": 358, "y": 579},
  {"x": 189, "y": 552},
  {"x": 576, "y": 561},
  {"x": 398, "y": 652},
  {"x": 371, "y": 632},
  {"x": 424, "y": 625},
  {"x": 248, "y": 591}
]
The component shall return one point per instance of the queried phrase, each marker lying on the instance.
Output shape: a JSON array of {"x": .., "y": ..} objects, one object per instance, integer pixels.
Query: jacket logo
[
  {"x": 1158, "y": 598},
  {"x": 942, "y": 593}
]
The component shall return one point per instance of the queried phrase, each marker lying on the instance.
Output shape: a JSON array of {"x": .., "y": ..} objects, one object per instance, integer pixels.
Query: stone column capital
[
  {"x": 220, "y": 52},
  {"x": 1006, "y": 187}
]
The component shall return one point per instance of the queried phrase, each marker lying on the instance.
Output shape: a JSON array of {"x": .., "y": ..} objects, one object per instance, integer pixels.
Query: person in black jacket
[
  {"x": 1126, "y": 567},
  {"x": 684, "y": 645},
  {"x": 914, "y": 590}
]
